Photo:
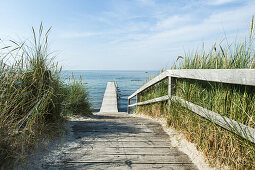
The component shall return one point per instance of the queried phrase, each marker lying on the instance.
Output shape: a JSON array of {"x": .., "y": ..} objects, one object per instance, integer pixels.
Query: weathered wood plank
[
  {"x": 125, "y": 138},
  {"x": 117, "y": 150},
  {"x": 159, "y": 99},
  {"x": 223, "y": 121},
  {"x": 174, "y": 158},
  {"x": 150, "y": 83},
  {"x": 145, "y": 143},
  {"x": 231, "y": 76}
]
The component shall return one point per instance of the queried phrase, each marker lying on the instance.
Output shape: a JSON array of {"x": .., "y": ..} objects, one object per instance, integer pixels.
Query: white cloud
[
  {"x": 161, "y": 47},
  {"x": 220, "y": 2},
  {"x": 158, "y": 43},
  {"x": 215, "y": 24},
  {"x": 171, "y": 22}
]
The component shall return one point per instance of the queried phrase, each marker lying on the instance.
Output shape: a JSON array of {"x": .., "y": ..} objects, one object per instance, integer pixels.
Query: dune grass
[
  {"x": 77, "y": 101},
  {"x": 234, "y": 101},
  {"x": 33, "y": 97}
]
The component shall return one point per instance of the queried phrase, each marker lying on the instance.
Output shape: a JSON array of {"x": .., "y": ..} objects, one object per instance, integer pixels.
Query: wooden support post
[
  {"x": 169, "y": 92},
  {"x": 171, "y": 89},
  {"x": 137, "y": 100},
  {"x": 173, "y": 86},
  {"x": 128, "y": 109}
]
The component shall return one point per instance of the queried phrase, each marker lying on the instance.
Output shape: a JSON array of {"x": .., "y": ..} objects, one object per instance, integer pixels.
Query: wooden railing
[{"x": 229, "y": 76}]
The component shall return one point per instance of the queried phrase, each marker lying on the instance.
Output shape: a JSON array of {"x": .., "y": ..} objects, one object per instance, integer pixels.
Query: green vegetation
[
  {"x": 77, "y": 101},
  {"x": 234, "y": 101},
  {"x": 33, "y": 98},
  {"x": 158, "y": 90}
]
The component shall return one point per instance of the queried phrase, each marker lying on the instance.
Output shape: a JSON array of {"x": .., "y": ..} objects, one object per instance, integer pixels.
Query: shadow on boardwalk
[{"x": 114, "y": 141}]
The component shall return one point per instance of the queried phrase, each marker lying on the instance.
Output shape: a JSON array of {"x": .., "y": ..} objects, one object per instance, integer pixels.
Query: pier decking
[
  {"x": 110, "y": 103},
  {"x": 120, "y": 141},
  {"x": 110, "y": 140}
]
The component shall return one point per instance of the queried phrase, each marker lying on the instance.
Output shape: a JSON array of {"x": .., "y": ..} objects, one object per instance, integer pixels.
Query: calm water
[{"x": 95, "y": 81}]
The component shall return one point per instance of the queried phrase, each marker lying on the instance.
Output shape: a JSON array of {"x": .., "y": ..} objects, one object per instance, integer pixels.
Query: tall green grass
[
  {"x": 158, "y": 90},
  {"x": 223, "y": 56},
  {"x": 234, "y": 101},
  {"x": 77, "y": 101},
  {"x": 32, "y": 97}
]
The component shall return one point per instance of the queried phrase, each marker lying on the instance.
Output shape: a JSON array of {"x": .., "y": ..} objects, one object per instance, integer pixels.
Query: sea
[{"x": 95, "y": 82}]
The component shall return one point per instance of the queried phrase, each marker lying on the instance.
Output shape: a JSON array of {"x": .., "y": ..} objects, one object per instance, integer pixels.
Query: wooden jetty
[{"x": 110, "y": 101}]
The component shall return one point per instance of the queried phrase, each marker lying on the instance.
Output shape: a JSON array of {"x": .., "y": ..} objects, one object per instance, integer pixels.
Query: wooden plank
[
  {"x": 110, "y": 103},
  {"x": 121, "y": 135},
  {"x": 127, "y": 143},
  {"x": 174, "y": 158},
  {"x": 116, "y": 150},
  {"x": 125, "y": 138},
  {"x": 150, "y": 83},
  {"x": 159, "y": 99},
  {"x": 231, "y": 76},
  {"x": 223, "y": 121}
]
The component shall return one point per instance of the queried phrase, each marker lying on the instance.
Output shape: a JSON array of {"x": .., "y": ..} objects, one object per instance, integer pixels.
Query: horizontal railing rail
[{"x": 229, "y": 76}]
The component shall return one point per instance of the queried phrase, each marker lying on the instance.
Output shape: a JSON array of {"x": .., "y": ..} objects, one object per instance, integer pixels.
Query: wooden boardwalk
[
  {"x": 120, "y": 141},
  {"x": 110, "y": 103},
  {"x": 111, "y": 140}
]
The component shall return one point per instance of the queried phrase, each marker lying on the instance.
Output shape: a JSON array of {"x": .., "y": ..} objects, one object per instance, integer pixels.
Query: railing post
[
  {"x": 137, "y": 100},
  {"x": 171, "y": 89},
  {"x": 169, "y": 92},
  {"x": 128, "y": 109}
]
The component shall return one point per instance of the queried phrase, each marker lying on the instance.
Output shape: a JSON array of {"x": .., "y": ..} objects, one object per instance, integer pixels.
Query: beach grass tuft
[{"x": 33, "y": 97}]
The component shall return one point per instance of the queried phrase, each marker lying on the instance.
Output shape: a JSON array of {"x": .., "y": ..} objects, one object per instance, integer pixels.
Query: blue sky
[{"x": 126, "y": 34}]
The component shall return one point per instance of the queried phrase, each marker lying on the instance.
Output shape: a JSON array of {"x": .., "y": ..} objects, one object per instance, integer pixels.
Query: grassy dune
[
  {"x": 33, "y": 98},
  {"x": 234, "y": 101}
]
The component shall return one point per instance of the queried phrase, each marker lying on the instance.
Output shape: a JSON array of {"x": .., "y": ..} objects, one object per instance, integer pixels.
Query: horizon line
[{"x": 104, "y": 70}]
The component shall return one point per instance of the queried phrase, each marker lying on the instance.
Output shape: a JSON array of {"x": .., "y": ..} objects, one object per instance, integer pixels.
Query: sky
[{"x": 126, "y": 34}]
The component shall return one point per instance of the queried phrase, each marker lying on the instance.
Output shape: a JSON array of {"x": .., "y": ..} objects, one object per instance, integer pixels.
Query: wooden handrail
[{"x": 229, "y": 76}]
